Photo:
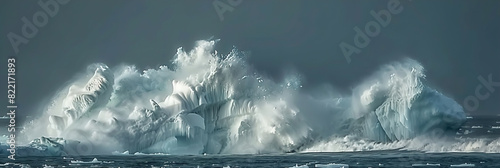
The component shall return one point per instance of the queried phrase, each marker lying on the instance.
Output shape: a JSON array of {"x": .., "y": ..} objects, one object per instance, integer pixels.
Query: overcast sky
[{"x": 456, "y": 41}]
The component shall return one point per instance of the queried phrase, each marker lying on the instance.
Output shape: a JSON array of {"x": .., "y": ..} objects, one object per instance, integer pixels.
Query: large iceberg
[
  {"x": 395, "y": 104},
  {"x": 211, "y": 103}
]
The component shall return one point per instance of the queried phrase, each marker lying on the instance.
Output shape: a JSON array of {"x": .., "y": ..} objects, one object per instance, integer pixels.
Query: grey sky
[{"x": 456, "y": 41}]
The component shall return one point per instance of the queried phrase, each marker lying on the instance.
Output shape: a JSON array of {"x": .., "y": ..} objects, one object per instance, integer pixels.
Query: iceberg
[{"x": 212, "y": 103}]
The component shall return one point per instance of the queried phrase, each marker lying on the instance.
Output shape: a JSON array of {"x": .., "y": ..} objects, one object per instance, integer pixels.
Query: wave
[
  {"x": 423, "y": 143},
  {"x": 213, "y": 103}
]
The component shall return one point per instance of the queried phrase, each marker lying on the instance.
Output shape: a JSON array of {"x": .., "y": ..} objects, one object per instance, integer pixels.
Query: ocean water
[{"x": 394, "y": 159}]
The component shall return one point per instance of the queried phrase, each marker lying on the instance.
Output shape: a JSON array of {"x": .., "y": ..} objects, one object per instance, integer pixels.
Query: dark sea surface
[
  {"x": 353, "y": 159},
  {"x": 482, "y": 126}
]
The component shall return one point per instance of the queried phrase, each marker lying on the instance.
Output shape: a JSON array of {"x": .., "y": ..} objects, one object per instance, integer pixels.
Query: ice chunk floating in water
[
  {"x": 212, "y": 103},
  {"x": 463, "y": 165},
  {"x": 332, "y": 165}
]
